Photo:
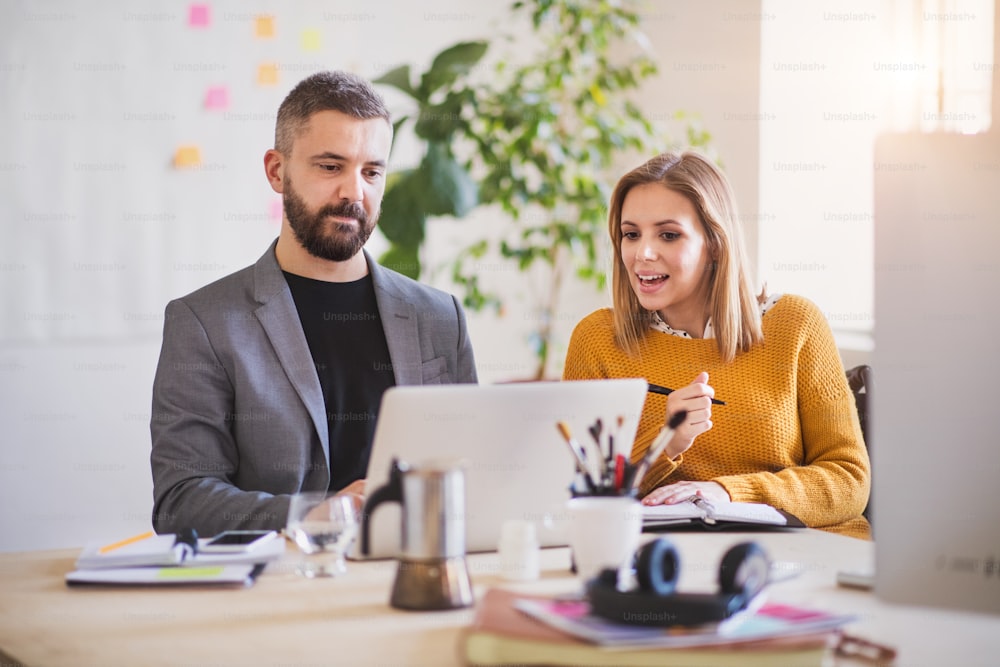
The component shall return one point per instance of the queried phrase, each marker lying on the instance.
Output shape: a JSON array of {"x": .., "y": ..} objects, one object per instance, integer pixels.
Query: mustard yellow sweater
[{"x": 788, "y": 435}]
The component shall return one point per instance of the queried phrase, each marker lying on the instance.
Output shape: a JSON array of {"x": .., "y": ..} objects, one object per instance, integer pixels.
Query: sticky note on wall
[
  {"x": 263, "y": 27},
  {"x": 267, "y": 74},
  {"x": 187, "y": 156},
  {"x": 217, "y": 98},
  {"x": 310, "y": 40},
  {"x": 199, "y": 15}
]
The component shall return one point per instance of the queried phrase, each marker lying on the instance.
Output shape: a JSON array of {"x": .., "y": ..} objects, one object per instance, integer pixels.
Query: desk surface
[{"x": 287, "y": 620}]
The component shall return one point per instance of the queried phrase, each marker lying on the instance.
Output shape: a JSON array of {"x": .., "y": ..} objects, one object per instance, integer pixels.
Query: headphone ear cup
[
  {"x": 607, "y": 577},
  {"x": 657, "y": 567},
  {"x": 744, "y": 570}
]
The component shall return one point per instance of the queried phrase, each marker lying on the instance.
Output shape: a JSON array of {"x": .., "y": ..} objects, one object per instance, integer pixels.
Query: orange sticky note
[
  {"x": 199, "y": 16},
  {"x": 187, "y": 156},
  {"x": 263, "y": 27},
  {"x": 310, "y": 40},
  {"x": 217, "y": 98},
  {"x": 267, "y": 74}
]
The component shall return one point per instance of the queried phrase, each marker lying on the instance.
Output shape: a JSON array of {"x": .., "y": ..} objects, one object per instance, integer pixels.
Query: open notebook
[
  {"x": 517, "y": 465},
  {"x": 698, "y": 512}
]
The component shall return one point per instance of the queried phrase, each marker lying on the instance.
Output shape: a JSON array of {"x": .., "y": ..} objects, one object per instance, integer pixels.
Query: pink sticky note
[
  {"x": 198, "y": 16},
  {"x": 217, "y": 98}
]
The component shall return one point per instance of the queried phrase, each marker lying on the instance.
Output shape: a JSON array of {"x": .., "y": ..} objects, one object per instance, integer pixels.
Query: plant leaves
[
  {"x": 403, "y": 217},
  {"x": 404, "y": 259},
  {"x": 441, "y": 122},
  {"x": 449, "y": 64},
  {"x": 445, "y": 187},
  {"x": 398, "y": 78}
]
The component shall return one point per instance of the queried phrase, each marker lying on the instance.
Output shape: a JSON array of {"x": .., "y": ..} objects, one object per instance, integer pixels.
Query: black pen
[{"x": 657, "y": 389}]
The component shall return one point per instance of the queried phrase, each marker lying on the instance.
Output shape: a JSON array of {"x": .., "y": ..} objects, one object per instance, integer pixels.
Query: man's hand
[{"x": 357, "y": 487}]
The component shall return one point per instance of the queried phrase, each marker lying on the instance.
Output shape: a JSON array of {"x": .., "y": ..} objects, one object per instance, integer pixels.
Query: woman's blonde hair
[{"x": 732, "y": 305}]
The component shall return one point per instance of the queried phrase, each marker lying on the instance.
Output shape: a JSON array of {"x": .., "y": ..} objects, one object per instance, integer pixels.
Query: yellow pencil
[{"x": 129, "y": 540}]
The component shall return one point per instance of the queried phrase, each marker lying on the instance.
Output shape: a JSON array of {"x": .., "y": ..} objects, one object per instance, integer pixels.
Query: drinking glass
[{"x": 323, "y": 527}]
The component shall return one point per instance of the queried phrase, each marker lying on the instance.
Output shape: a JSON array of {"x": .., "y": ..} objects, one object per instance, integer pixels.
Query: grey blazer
[{"x": 238, "y": 420}]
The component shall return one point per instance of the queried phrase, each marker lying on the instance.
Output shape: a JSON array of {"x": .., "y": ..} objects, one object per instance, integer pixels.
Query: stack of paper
[
  {"x": 163, "y": 560},
  {"x": 215, "y": 575},
  {"x": 147, "y": 549}
]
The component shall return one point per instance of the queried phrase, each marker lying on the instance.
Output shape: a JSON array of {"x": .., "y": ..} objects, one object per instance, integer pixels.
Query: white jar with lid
[{"x": 519, "y": 551}]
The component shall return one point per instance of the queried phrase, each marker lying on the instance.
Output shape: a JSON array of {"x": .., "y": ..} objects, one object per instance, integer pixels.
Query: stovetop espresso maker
[{"x": 432, "y": 572}]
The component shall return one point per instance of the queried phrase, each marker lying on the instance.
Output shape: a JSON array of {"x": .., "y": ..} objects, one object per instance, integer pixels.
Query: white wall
[{"x": 833, "y": 77}]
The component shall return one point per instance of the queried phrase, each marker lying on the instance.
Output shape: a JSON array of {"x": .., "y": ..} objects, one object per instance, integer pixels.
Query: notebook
[
  {"x": 237, "y": 576},
  {"x": 704, "y": 514},
  {"x": 517, "y": 465},
  {"x": 146, "y": 549}
]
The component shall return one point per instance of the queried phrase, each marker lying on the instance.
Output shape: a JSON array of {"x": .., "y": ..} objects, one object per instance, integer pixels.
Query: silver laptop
[{"x": 517, "y": 465}]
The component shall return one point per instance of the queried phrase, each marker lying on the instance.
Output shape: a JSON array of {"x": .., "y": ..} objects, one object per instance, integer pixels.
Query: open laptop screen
[{"x": 517, "y": 465}]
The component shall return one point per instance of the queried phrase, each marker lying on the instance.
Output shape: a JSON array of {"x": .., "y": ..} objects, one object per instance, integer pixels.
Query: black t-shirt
[{"x": 347, "y": 343}]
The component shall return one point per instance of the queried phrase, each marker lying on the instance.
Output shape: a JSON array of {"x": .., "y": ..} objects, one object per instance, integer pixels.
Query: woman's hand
[
  {"x": 681, "y": 491},
  {"x": 696, "y": 399}
]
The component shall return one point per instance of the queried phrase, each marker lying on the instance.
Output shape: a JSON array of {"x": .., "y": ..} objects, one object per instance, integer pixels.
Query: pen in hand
[
  {"x": 657, "y": 389},
  {"x": 655, "y": 449}
]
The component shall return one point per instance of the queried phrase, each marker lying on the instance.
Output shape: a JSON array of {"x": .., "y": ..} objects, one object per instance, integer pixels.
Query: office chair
[{"x": 859, "y": 378}]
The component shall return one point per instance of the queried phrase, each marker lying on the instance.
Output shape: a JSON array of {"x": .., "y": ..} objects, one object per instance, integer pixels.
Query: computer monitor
[{"x": 935, "y": 403}]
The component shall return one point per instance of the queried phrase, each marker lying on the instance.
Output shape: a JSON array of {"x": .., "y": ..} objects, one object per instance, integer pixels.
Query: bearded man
[{"x": 270, "y": 379}]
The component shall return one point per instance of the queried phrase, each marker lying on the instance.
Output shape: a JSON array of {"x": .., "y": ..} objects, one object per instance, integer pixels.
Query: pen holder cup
[{"x": 604, "y": 532}]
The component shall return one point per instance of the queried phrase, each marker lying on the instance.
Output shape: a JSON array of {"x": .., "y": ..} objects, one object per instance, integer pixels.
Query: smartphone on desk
[{"x": 237, "y": 541}]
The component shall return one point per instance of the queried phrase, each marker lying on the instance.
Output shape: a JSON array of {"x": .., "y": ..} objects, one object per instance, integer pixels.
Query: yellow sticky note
[
  {"x": 207, "y": 572},
  {"x": 310, "y": 40},
  {"x": 187, "y": 156},
  {"x": 263, "y": 27},
  {"x": 267, "y": 74}
]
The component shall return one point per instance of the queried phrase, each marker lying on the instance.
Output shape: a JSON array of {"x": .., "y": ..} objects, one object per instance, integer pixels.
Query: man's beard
[{"x": 342, "y": 242}]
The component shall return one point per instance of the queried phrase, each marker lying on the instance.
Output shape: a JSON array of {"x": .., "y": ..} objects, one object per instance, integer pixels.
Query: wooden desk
[{"x": 290, "y": 621}]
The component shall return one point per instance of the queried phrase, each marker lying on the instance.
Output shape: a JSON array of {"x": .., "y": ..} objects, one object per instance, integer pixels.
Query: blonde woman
[{"x": 685, "y": 317}]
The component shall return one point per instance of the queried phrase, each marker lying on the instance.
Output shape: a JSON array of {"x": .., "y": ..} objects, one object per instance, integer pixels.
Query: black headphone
[{"x": 743, "y": 573}]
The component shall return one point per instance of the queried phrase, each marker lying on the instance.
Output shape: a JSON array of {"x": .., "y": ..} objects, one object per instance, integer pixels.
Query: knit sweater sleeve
[
  {"x": 831, "y": 486},
  {"x": 583, "y": 356}
]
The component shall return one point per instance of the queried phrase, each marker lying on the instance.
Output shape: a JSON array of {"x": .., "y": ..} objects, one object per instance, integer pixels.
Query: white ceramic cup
[{"x": 604, "y": 532}]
